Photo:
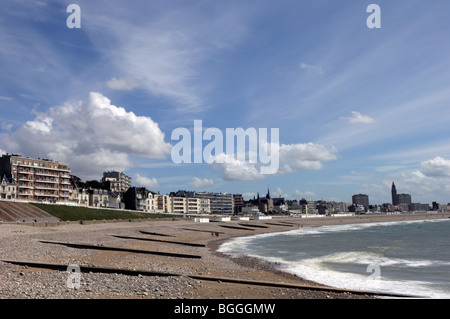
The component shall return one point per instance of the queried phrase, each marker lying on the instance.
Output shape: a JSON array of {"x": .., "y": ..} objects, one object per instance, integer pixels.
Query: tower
[{"x": 394, "y": 195}]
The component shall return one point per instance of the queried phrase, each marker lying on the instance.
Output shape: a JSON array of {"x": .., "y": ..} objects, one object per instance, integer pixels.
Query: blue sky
[{"x": 356, "y": 108}]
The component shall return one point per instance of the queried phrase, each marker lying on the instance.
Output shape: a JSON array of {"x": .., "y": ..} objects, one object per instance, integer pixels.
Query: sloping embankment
[{"x": 16, "y": 211}]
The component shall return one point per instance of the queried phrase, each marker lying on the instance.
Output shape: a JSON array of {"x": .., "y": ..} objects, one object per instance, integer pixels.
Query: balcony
[
  {"x": 46, "y": 173},
  {"x": 45, "y": 187},
  {"x": 22, "y": 185},
  {"x": 23, "y": 177},
  {"x": 45, "y": 194},
  {"x": 40, "y": 180},
  {"x": 26, "y": 193}
]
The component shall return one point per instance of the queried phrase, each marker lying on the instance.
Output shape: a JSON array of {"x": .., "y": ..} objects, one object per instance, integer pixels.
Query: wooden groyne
[
  {"x": 160, "y": 241},
  {"x": 137, "y": 251},
  {"x": 130, "y": 272}
]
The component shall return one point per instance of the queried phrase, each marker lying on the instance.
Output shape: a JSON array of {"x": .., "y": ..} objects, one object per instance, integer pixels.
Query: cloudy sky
[{"x": 356, "y": 108}]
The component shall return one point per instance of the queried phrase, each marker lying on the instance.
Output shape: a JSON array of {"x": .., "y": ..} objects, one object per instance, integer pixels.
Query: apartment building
[
  {"x": 239, "y": 202},
  {"x": 220, "y": 203},
  {"x": 37, "y": 179},
  {"x": 163, "y": 203},
  {"x": 308, "y": 206},
  {"x": 117, "y": 181},
  {"x": 181, "y": 205}
]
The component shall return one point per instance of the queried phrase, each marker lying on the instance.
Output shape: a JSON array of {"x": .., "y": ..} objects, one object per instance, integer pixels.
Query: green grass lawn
[{"x": 84, "y": 213}]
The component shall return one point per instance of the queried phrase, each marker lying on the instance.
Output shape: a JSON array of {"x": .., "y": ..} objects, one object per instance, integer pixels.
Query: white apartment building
[{"x": 181, "y": 205}]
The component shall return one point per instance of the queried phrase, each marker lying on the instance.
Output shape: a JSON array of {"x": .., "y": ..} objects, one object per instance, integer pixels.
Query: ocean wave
[
  {"x": 317, "y": 271},
  {"x": 321, "y": 271},
  {"x": 381, "y": 266}
]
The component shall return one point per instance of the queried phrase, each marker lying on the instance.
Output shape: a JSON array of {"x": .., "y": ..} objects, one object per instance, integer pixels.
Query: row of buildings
[
  {"x": 44, "y": 180},
  {"x": 400, "y": 202}
]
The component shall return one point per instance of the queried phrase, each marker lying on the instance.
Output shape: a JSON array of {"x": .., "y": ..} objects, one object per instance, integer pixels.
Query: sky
[{"x": 356, "y": 108}]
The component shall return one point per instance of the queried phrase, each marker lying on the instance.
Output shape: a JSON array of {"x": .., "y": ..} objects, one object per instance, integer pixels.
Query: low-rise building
[
  {"x": 418, "y": 207},
  {"x": 250, "y": 210},
  {"x": 98, "y": 197},
  {"x": 182, "y": 204},
  {"x": 8, "y": 188},
  {"x": 139, "y": 198},
  {"x": 80, "y": 197}
]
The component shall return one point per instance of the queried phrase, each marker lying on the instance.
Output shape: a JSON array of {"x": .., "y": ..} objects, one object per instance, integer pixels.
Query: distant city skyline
[{"x": 356, "y": 107}]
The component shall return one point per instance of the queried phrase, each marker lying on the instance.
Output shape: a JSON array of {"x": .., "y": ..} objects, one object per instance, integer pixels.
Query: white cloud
[
  {"x": 249, "y": 195},
  {"x": 422, "y": 188},
  {"x": 358, "y": 118},
  {"x": 305, "y": 194},
  {"x": 387, "y": 168},
  {"x": 164, "y": 50},
  {"x": 41, "y": 125},
  {"x": 6, "y": 126},
  {"x": 307, "y": 156},
  {"x": 200, "y": 183},
  {"x": 146, "y": 182},
  {"x": 292, "y": 157},
  {"x": 235, "y": 170},
  {"x": 312, "y": 69},
  {"x": 279, "y": 193},
  {"x": 438, "y": 167},
  {"x": 91, "y": 136},
  {"x": 126, "y": 84}
]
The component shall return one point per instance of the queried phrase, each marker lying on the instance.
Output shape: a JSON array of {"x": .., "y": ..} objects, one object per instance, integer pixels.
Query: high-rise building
[
  {"x": 361, "y": 199},
  {"x": 37, "y": 179},
  {"x": 398, "y": 199},
  {"x": 118, "y": 181},
  {"x": 403, "y": 199},
  {"x": 394, "y": 194},
  {"x": 238, "y": 203}
]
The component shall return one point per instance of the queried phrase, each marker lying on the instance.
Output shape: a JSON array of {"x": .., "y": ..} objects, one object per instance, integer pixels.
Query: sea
[{"x": 408, "y": 258}]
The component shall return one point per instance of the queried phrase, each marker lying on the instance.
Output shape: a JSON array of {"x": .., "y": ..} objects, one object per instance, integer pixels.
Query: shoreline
[
  {"x": 318, "y": 222},
  {"x": 26, "y": 243}
]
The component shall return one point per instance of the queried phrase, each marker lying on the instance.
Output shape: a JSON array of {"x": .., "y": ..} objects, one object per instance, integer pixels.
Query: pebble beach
[{"x": 180, "y": 277}]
